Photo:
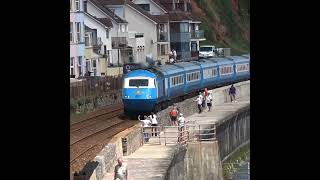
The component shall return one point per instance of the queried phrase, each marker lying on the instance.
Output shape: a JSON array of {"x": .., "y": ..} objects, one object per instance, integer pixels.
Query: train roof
[
  {"x": 204, "y": 63},
  {"x": 221, "y": 61},
  {"x": 168, "y": 69},
  {"x": 141, "y": 72},
  {"x": 246, "y": 56},
  {"x": 239, "y": 59},
  {"x": 187, "y": 66}
]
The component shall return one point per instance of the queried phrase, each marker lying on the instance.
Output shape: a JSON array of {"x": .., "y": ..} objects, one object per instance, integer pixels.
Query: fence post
[{"x": 199, "y": 134}]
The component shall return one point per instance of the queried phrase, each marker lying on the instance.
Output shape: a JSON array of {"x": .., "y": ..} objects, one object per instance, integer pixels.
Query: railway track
[
  {"x": 91, "y": 134},
  {"x": 92, "y": 118}
]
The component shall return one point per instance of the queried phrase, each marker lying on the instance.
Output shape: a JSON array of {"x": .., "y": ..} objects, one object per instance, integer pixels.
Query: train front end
[{"x": 139, "y": 94}]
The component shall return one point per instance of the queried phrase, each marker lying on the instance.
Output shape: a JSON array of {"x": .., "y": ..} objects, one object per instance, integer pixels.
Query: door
[{"x": 166, "y": 87}]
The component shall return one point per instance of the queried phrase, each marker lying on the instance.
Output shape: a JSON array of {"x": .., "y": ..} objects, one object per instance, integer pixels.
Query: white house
[
  {"x": 118, "y": 33},
  {"x": 97, "y": 44},
  {"x": 77, "y": 47},
  {"x": 143, "y": 26}
]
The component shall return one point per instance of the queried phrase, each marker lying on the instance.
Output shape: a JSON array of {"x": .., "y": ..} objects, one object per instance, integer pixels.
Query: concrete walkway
[
  {"x": 151, "y": 161},
  {"x": 218, "y": 112}
]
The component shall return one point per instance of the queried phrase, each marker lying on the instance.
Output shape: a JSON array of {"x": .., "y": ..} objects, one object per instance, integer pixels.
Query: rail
[{"x": 179, "y": 134}]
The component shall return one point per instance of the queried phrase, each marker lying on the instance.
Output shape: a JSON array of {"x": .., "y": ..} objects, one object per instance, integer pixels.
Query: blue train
[{"x": 153, "y": 89}]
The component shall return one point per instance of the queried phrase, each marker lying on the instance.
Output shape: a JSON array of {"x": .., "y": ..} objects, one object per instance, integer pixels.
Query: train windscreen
[{"x": 138, "y": 82}]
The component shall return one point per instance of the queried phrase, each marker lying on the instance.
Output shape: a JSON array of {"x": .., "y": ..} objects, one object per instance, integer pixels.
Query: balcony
[
  {"x": 199, "y": 34},
  {"x": 119, "y": 42},
  {"x": 184, "y": 55},
  {"x": 97, "y": 45},
  {"x": 180, "y": 37},
  {"x": 163, "y": 37}
]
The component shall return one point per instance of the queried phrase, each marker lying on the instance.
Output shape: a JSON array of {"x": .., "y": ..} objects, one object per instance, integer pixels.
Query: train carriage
[{"x": 150, "y": 89}]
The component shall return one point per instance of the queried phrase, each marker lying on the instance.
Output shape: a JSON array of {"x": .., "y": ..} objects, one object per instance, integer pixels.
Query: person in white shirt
[
  {"x": 174, "y": 54},
  {"x": 181, "y": 121},
  {"x": 199, "y": 102},
  {"x": 146, "y": 123},
  {"x": 120, "y": 171},
  {"x": 209, "y": 101},
  {"x": 154, "y": 122}
]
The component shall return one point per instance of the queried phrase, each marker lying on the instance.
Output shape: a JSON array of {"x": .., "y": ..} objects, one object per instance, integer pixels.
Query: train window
[
  {"x": 226, "y": 70},
  {"x": 194, "y": 76},
  {"x": 242, "y": 67},
  {"x": 176, "y": 80},
  {"x": 138, "y": 82}
]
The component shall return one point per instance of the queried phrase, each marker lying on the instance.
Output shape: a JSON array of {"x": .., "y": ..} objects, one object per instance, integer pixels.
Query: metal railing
[
  {"x": 197, "y": 34},
  {"x": 202, "y": 132},
  {"x": 148, "y": 132},
  {"x": 180, "y": 135}
]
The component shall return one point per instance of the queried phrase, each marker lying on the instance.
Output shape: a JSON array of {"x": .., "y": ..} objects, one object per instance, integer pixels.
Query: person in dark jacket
[{"x": 232, "y": 93}]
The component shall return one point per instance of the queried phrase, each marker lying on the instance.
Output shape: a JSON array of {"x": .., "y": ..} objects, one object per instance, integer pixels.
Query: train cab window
[{"x": 138, "y": 82}]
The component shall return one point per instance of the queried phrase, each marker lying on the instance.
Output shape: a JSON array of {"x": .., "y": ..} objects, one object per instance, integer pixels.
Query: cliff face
[{"x": 226, "y": 23}]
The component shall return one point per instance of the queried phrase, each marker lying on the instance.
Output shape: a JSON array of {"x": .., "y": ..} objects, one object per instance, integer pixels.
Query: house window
[
  {"x": 107, "y": 33},
  {"x": 77, "y": 3},
  {"x": 71, "y": 5},
  {"x": 88, "y": 39},
  {"x": 162, "y": 28},
  {"x": 94, "y": 67},
  {"x": 72, "y": 66},
  {"x": 123, "y": 28},
  {"x": 78, "y": 30},
  {"x": 163, "y": 49},
  {"x": 145, "y": 6},
  {"x": 71, "y": 30},
  {"x": 88, "y": 66},
  {"x": 85, "y": 6},
  {"x": 79, "y": 65},
  {"x": 184, "y": 27}
]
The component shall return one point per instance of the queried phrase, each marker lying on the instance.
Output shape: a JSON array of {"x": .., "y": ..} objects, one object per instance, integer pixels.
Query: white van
[{"x": 206, "y": 51}]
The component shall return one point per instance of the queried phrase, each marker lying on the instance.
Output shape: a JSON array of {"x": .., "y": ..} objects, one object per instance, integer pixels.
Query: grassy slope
[{"x": 226, "y": 23}]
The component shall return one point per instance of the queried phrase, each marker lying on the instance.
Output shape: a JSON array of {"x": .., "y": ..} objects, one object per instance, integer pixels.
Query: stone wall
[
  {"x": 200, "y": 161},
  {"x": 94, "y": 103},
  {"x": 107, "y": 158},
  {"x": 234, "y": 131}
]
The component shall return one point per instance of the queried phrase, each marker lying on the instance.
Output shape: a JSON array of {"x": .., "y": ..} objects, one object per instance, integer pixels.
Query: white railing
[{"x": 180, "y": 135}]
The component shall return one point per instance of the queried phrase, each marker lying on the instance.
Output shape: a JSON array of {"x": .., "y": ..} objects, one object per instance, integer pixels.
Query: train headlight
[
  {"x": 126, "y": 97},
  {"x": 148, "y": 96}
]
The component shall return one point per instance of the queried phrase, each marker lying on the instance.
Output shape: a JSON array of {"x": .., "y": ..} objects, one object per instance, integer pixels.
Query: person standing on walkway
[
  {"x": 232, "y": 93},
  {"x": 173, "y": 116},
  {"x": 204, "y": 103},
  {"x": 146, "y": 123},
  {"x": 199, "y": 102},
  {"x": 209, "y": 101},
  {"x": 154, "y": 123},
  {"x": 181, "y": 121},
  {"x": 120, "y": 171}
]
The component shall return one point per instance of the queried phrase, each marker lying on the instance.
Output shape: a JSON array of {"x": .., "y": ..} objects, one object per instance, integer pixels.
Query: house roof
[
  {"x": 108, "y": 11},
  {"x": 183, "y": 16},
  {"x": 161, "y": 18},
  {"x": 104, "y": 21},
  {"x": 157, "y": 2},
  {"x": 154, "y": 18}
]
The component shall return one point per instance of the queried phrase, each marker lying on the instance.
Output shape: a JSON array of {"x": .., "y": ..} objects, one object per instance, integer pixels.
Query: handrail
[{"x": 187, "y": 133}]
